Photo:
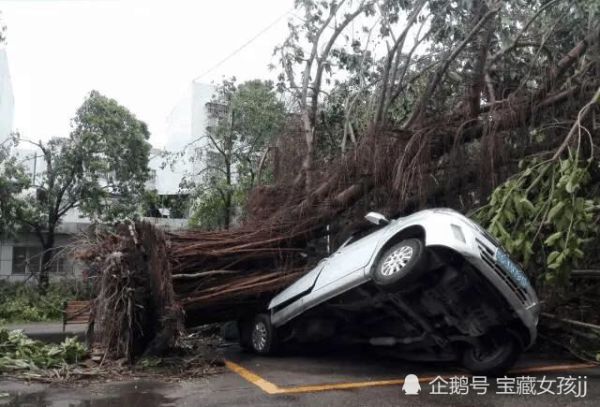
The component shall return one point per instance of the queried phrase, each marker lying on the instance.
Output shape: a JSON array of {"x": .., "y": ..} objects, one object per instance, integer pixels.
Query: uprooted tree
[{"x": 399, "y": 105}]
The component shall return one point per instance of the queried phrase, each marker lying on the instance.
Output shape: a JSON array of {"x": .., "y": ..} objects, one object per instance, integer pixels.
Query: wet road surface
[{"x": 344, "y": 379}]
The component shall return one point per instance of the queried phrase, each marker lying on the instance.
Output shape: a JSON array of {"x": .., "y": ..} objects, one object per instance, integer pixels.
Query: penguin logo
[{"x": 411, "y": 385}]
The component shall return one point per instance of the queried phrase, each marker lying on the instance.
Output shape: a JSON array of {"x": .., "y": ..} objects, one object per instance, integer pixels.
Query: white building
[
  {"x": 186, "y": 126},
  {"x": 7, "y": 101},
  {"x": 189, "y": 118}
]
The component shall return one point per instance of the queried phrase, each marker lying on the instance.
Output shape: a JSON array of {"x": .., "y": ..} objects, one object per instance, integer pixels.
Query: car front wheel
[
  {"x": 400, "y": 264},
  {"x": 493, "y": 356}
]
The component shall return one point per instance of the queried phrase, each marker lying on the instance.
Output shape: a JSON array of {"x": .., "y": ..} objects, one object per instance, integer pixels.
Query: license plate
[{"x": 512, "y": 268}]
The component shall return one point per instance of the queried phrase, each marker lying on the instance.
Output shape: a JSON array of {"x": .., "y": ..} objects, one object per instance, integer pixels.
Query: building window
[
  {"x": 59, "y": 264},
  {"x": 26, "y": 260},
  {"x": 216, "y": 109}
]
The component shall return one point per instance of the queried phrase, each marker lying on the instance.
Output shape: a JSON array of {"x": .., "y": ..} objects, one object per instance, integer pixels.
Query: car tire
[
  {"x": 493, "y": 357},
  {"x": 400, "y": 264},
  {"x": 263, "y": 335}
]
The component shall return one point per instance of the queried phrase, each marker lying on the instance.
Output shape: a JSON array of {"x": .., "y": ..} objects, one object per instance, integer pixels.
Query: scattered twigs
[
  {"x": 571, "y": 322},
  {"x": 586, "y": 273},
  {"x": 202, "y": 274}
]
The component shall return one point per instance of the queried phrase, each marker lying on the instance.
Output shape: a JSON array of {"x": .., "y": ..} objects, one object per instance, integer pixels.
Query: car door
[{"x": 349, "y": 259}]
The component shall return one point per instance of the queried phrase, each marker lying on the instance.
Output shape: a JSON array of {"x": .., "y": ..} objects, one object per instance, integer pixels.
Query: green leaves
[
  {"x": 19, "y": 352},
  {"x": 86, "y": 170},
  {"x": 101, "y": 169},
  {"x": 22, "y": 302},
  {"x": 527, "y": 206},
  {"x": 555, "y": 210},
  {"x": 550, "y": 216},
  {"x": 13, "y": 181},
  {"x": 106, "y": 186},
  {"x": 553, "y": 238},
  {"x": 250, "y": 118}
]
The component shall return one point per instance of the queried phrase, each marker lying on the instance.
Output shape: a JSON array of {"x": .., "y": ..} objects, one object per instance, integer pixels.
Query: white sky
[{"x": 143, "y": 53}]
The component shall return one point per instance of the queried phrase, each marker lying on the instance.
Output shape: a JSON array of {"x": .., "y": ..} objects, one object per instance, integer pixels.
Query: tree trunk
[
  {"x": 228, "y": 164},
  {"x": 309, "y": 137},
  {"x": 479, "y": 51},
  {"x": 47, "y": 256},
  {"x": 227, "y": 209}
]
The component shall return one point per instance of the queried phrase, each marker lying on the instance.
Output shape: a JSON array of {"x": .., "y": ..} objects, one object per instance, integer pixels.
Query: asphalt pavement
[{"x": 333, "y": 379}]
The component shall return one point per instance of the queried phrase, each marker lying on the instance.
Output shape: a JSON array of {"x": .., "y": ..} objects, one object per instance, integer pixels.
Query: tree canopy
[
  {"x": 13, "y": 181},
  {"x": 100, "y": 169},
  {"x": 245, "y": 118}
]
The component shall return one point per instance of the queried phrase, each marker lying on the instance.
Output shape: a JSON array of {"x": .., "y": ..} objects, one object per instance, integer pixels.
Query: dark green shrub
[{"x": 22, "y": 302}]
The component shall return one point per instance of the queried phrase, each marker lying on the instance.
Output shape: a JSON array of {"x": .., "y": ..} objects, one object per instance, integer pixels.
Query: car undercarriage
[
  {"x": 432, "y": 285},
  {"x": 449, "y": 306}
]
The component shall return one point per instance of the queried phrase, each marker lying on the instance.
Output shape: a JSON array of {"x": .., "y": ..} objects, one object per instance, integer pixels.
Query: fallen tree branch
[
  {"x": 571, "y": 321},
  {"x": 577, "y": 125}
]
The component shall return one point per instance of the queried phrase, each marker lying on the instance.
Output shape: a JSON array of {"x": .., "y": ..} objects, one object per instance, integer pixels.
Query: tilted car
[{"x": 433, "y": 284}]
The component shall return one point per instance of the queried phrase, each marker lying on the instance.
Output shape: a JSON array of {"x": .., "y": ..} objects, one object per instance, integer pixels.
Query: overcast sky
[{"x": 143, "y": 53}]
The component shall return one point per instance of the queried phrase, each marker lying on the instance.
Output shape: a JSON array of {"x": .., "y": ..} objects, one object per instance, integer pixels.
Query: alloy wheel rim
[
  {"x": 259, "y": 336},
  {"x": 396, "y": 260}
]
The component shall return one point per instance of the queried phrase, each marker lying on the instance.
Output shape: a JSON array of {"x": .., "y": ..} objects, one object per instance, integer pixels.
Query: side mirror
[{"x": 377, "y": 218}]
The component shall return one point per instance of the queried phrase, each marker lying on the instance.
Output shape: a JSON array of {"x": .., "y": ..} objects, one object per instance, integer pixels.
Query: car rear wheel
[
  {"x": 262, "y": 335},
  {"x": 493, "y": 356},
  {"x": 400, "y": 264}
]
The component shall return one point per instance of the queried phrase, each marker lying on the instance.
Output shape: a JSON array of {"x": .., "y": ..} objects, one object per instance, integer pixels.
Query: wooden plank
[{"x": 76, "y": 312}]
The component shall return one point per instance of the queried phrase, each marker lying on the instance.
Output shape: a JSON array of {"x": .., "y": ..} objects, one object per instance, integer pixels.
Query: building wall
[
  {"x": 66, "y": 267},
  {"x": 7, "y": 102},
  {"x": 67, "y": 235},
  {"x": 202, "y": 95},
  {"x": 186, "y": 128},
  {"x": 167, "y": 173}
]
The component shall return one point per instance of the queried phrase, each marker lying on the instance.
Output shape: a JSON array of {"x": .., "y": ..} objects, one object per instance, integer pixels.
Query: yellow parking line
[
  {"x": 552, "y": 368},
  {"x": 253, "y": 378},
  {"x": 347, "y": 386},
  {"x": 271, "y": 388}
]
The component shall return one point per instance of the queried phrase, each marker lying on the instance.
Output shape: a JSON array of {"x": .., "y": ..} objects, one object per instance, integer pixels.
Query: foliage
[
  {"x": 399, "y": 57},
  {"x": 19, "y": 352},
  {"x": 546, "y": 216},
  {"x": 178, "y": 204},
  {"x": 246, "y": 120},
  {"x": 13, "y": 181},
  {"x": 87, "y": 171},
  {"x": 108, "y": 186},
  {"x": 207, "y": 209},
  {"x": 22, "y": 302}
]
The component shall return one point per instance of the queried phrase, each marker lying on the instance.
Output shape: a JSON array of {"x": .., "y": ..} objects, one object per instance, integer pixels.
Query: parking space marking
[
  {"x": 253, "y": 378},
  {"x": 553, "y": 368},
  {"x": 272, "y": 388},
  {"x": 348, "y": 386}
]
